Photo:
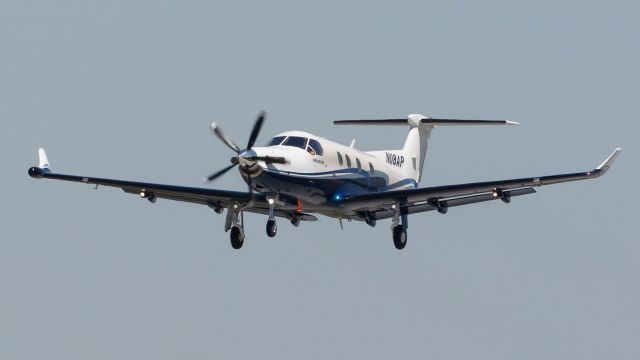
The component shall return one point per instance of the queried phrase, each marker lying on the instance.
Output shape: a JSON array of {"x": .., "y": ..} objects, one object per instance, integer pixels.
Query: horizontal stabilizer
[
  {"x": 458, "y": 122},
  {"x": 418, "y": 120},
  {"x": 372, "y": 122}
]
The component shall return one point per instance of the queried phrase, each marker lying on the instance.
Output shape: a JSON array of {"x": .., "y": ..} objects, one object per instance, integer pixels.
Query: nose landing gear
[{"x": 272, "y": 228}]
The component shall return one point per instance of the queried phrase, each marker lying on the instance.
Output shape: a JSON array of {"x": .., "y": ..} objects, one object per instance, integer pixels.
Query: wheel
[
  {"x": 399, "y": 237},
  {"x": 237, "y": 237},
  {"x": 295, "y": 221},
  {"x": 272, "y": 228}
]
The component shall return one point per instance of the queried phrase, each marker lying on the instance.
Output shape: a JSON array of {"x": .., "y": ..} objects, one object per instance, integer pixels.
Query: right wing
[{"x": 441, "y": 197}]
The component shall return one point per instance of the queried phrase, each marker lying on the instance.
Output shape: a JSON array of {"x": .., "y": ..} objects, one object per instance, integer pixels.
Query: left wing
[
  {"x": 216, "y": 199},
  {"x": 441, "y": 197}
]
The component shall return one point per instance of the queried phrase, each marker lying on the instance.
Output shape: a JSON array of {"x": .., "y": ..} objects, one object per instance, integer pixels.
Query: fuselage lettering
[{"x": 395, "y": 160}]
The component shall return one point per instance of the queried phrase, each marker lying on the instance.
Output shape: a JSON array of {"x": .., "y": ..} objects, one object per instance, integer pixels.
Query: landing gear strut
[{"x": 398, "y": 230}]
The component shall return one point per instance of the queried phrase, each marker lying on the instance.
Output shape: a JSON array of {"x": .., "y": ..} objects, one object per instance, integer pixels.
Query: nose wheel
[{"x": 272, "y": 228}]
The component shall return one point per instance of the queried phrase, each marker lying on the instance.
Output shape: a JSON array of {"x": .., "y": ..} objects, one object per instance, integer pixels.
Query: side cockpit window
[
  {"x": 276, "y": 141},
  {"x": 296, "y": 141},
  {"x": 314, "y": 147}
]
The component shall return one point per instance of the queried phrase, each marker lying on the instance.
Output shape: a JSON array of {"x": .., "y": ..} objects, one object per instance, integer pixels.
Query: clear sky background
[{"x": 127, "y": 89}]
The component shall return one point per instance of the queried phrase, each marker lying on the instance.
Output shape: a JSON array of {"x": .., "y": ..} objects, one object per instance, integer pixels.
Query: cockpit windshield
[
  {"x": 314, "y": 147},
  {"x": 276, "y": 141},
  {"x": 296, "y": 141}
]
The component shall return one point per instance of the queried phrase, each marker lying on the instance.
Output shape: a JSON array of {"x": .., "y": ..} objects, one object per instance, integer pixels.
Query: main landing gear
[
  {"x": 399, "y": 231},
  {"x": 235, "y": 223}
]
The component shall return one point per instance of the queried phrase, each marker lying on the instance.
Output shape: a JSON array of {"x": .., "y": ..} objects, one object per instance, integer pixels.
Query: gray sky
[{"x": 127, "y": 89}]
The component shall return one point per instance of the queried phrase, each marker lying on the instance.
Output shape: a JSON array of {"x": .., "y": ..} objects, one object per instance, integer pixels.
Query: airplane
[{"x": 297, "y": 174}]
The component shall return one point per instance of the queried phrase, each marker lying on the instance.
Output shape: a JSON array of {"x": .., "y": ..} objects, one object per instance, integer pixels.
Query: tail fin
[{"x": 415, "y": 146}]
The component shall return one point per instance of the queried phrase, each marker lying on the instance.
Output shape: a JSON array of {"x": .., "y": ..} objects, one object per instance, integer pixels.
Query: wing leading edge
[{"x": 442, "y": 197}]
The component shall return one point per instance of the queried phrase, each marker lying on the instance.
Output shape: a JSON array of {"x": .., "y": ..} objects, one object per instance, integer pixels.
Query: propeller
[{"x": 235, "y": 161}]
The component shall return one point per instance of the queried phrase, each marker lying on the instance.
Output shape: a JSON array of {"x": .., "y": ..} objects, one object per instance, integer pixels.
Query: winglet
[
  {"x": 43, "y": 161},
  {"x": 607, "y": 163},
  {"x": 43, "y": 166}
]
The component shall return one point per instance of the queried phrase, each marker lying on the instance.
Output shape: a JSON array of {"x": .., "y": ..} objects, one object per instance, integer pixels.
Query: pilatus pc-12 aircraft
[{"x": 297, "y": 174}]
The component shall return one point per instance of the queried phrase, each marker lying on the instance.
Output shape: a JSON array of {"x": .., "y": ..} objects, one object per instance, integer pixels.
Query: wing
[
  {"x": 215, "y": 199},
  {"x": 441, "y": 198}
]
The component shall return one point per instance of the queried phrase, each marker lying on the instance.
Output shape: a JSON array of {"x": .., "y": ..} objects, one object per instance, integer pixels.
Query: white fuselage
[{"x": 319, "y": 172}]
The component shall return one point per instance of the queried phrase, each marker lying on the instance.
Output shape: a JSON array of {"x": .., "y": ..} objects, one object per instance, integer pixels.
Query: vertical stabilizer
[{"x": 415, "y": 150}]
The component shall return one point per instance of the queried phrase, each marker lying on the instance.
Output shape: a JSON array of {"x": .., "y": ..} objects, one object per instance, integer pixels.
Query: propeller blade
[
  {"x": 256, "y": 130},
  {"x": 225, "y": 139},
  {"x": 215, "y": 175}
]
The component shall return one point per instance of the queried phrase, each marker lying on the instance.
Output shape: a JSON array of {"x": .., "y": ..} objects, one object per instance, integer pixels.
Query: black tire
[
  {"x": 237, "y": 237},
  {"x": 295, "y": 221},
  {"x": 272, "y": 228},
  {"x": 399, "y": 237}
]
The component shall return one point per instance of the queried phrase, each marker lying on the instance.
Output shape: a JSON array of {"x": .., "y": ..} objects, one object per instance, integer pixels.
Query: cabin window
[
  {"x": 358, "y": 163},
  {"x": 296, "y": 141},
  {"x": 348, "y": 160},
  {"x": 340, "y": 158},
  {"x": 276, "y": 141},
  {"x": 314, "y": 147},
  {"x": 371, "y": 169}
]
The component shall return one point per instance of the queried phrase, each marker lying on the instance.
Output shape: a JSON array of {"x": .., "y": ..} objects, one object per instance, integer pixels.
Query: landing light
[
  {"x": 143, "y": 193},
  {"x": 270, "y": 201}
]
